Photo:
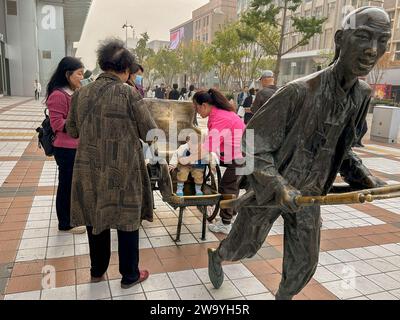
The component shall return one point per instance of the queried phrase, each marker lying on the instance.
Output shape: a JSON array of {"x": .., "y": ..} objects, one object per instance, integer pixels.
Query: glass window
[
  {"x": 318, "y": 12},
  {"x": 12, "y": 8},
  {"x": 398, "y": 18},
  {"x": 331, "y": 8}
]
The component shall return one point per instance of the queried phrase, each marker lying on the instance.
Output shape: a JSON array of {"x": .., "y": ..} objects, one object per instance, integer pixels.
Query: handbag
[
  {"x": 46, "y": 136},
  {"x": 241, "y": 111}
]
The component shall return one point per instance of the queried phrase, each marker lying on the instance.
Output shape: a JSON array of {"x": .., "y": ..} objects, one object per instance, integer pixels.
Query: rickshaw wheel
[{"x": 212, "y": 181}]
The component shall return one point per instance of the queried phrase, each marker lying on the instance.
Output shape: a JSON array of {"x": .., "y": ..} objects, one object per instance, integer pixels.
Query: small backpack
[{"x": 46, "y": 136}]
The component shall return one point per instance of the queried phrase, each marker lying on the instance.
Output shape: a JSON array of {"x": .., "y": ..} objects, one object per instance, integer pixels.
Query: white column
[{"x": 22, "y": 48}]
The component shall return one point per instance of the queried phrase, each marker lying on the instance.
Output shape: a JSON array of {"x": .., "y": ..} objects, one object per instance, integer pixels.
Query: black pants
[
  {"x": 247, "y": 117},
  {"x": 128, "y": 251},
  {"x": 229, "y": 185},
  {"x": 65, "y": 160},
  {"x": 37, "y": 95}
]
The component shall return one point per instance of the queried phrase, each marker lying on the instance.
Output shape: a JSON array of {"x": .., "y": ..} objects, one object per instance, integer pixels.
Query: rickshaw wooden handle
[{"x": 362, "y": 196}]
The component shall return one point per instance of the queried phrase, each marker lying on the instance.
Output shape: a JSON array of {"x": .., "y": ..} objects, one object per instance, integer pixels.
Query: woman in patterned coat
[{"x": 111, "y": 188}]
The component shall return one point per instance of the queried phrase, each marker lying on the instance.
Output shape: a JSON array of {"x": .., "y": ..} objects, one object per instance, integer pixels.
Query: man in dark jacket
[
  {"x": 174, "y": 93},
  {"x": 268, "y": 89},
  {"x": 160, "y": 92},
  {"x": 302, "y": 138}
]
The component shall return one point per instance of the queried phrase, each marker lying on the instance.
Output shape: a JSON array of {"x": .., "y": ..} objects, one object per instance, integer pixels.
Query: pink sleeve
[
  {"x": 58, "y": 110},
  {"x": 215, "y": 138}
]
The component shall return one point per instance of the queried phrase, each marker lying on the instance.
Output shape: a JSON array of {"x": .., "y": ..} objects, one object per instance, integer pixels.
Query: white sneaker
[{"x": 220, "y": 227}]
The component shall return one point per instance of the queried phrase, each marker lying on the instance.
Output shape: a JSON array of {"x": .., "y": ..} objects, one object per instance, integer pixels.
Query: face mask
[
  {"x": 139, "y": 80},
  {"x": 85, "y": 82}
]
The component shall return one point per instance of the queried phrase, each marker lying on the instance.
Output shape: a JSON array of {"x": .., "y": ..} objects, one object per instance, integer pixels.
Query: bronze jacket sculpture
[{"x": 328, "y": 120}]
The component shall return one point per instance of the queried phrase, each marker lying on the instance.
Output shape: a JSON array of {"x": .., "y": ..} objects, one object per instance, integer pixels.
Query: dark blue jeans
[
  {"x": 128, "y": 252},
  {"x": 65, "y": 161}
]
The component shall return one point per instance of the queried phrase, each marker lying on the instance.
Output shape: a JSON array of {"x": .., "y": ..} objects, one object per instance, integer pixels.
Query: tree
[
  {"x": 224, "y": 53},
  {"x": 166, "y": 65},
  {"x": 193, "y": 60},
  {"x": 265, "y": 15},
  {"x": 259, "y": 45},
  {"x": 142, "y": 51},
  {"x": 325, "y": 58},
  {"x": 150, "y": 69}
]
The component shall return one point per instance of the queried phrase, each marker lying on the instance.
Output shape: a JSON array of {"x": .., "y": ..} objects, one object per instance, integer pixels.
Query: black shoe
[{"x": 143, "y": 276}]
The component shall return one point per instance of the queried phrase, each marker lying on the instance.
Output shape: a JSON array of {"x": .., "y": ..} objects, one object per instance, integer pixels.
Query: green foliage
[
  {"x": 237, "y": 55},
  {"x": 165, "y": 64},
  {"x": 383, "y": 102},
  {"x": 194, "y": 60},
  {"x": 224, "y": 53},
  {"x": 325, "y": 58},
  {"x": 270, "y": 33},
  {"x": 141, "y": 51}
]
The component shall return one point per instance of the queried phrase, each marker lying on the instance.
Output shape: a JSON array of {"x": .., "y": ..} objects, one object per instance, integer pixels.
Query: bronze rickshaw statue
[
  {"x": 169, "y": 112},
  {"x": 166, "y": 114}
]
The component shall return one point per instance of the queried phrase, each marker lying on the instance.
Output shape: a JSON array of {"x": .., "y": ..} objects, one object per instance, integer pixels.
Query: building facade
[
  {"x": 318, "y": 53},
  {"x": 205, "y": 22},
  {"x": 157, "y": 45},
  {"x": 389, "y": 84},
  {"x": 210, "y": 18},
  {"x": 39, "y": 34},
  {"x": 242, "y": 6},
  {"x": 4, "y": 62},
  {"x": 181, "y": 34}
]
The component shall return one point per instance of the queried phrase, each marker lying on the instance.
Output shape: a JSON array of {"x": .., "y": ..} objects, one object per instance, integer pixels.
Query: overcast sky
[{"x": 107, "y": 17}]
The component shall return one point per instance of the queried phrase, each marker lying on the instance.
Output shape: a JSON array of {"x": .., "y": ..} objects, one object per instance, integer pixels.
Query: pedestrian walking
[{"x": 38, "y": 89}]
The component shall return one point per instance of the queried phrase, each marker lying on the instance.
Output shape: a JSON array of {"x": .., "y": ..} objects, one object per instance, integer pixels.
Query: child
[{"x": 180, "y": 160}]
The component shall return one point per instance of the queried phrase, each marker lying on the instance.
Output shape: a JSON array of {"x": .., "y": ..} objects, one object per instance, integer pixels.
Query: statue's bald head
[
  {"x": 362, "y": 40},
  {"x": 373, "y": 18}
]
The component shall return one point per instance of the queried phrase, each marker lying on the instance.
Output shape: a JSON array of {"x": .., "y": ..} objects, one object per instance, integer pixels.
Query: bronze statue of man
[{"x": 302, "y": 138}]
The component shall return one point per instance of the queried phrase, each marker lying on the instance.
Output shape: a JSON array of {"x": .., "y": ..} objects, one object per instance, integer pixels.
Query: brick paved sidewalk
[{"x": 360, "y": 246}]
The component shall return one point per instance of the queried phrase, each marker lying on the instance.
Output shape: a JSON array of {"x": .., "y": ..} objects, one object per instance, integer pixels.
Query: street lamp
[{"x": 126, "y": 26}]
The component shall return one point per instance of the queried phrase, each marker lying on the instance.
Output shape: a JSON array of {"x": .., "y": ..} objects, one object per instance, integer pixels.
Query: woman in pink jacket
[
  {"x": 65, "y": 80},
  {"x": 225, "y": 131}
]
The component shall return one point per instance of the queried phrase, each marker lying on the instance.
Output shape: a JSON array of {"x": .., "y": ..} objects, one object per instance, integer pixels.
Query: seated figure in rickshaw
[{"x": 181, "y": 160}]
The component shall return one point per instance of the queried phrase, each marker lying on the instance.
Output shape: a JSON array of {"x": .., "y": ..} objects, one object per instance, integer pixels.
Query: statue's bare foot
[
  {"x": 215, "y": 271},
  {"x": 280, "y": 296}
]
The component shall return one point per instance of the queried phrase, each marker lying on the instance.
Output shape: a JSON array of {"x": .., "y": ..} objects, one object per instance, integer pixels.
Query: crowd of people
[{"x": 175, "y": 93}]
